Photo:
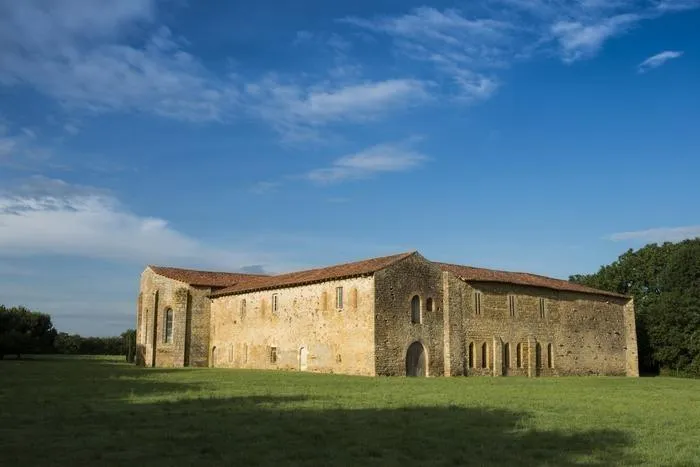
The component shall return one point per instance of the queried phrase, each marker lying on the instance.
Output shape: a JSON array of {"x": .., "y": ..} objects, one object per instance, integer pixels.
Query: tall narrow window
[
  {"x": 538, "y": 355},
  {"x": 429, "y": 304},
  {"x": 275, "y": 303},
  {"x": 339, "y": 298},
  {"x": 484, "y": 355},
  {"x": 542, "y": 309},
  {"x": 506, "y": 355},
  {"x": 415, "y": 309},
  {"x": 519, "y": 355},
  {"x": 550, "y": 364},
  {"x": 273, "y": 354},
  {"x": 471, "y": 355},
  {"x": 477, "y": 303},
  {"x": 511, "y": 304},
  {"x": 168, "y": 330},
  {"x": 244, "y": 304}
]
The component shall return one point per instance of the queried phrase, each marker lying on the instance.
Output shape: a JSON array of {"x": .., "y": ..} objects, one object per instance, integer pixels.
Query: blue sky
[{"x": 532, "y": 135}]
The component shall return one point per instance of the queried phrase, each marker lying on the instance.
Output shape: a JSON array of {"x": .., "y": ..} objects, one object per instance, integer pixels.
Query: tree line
[
  {"x": 665, "y": 283},
  {"x": 23, "y": 332}
]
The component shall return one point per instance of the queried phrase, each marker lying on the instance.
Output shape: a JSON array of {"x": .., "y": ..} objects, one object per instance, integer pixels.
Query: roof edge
[{"x": 401, "y": 257}]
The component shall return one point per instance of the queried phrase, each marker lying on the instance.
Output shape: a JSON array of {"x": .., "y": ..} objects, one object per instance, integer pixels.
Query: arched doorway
[
  {"x": 303, "y": 359},
  {"x": 416, "y": 360}
]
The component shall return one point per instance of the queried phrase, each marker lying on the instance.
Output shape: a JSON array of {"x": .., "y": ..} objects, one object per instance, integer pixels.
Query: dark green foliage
[
  {"x": 74, "y": 344},
  {"x": 129, "y": 341},
  {"x": 23, "y": 332},
  {"x": 665, "y": 283}
]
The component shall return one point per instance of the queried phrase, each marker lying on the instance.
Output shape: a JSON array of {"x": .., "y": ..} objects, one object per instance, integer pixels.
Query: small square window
[{"x": 339, "y": 298}]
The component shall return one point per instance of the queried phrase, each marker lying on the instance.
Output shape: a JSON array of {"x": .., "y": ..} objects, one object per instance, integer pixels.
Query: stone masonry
[{"x": 393, "y": 316}]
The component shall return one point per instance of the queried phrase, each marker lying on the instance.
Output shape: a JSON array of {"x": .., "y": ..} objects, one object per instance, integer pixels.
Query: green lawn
[{"x": 89, "y": 412}]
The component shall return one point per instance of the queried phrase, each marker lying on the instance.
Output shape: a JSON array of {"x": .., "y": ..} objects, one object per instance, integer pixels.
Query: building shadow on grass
[
  {"x": 295, "y": 430},
  {"x": 73, "y": 414}
]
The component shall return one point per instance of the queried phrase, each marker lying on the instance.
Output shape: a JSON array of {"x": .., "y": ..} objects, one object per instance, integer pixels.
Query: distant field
[{"x": 99, "y": 411}]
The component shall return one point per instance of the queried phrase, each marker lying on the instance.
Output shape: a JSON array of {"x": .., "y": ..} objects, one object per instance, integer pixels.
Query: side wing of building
[
  {"x": 326, "y": 326},
  {"x": 514, "y": 329}
]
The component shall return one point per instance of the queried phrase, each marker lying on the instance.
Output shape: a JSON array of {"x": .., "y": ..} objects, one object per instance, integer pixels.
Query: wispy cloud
[
  {"x": 657, "y": 60},
  {"x": 296, "y": 111},
  {"x": 261, "y": 188},
  {"x": 660, "y": 234},
  {"x": 73, "y": 51},
  {"x": 382, "y": 158},
  {"x": 468, "y": 47},
  {"x": 51, "y": 217},
  {"x": 579, "y": 40}
]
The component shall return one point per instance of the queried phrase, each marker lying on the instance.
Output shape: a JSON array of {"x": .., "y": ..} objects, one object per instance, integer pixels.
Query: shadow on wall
[{"x": 109, "y": 428}]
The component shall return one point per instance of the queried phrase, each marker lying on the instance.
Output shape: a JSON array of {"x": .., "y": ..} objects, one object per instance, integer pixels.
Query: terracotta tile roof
[
  {"x": 468, "y": 274},
  {"x": 340, "y": 271},
  {"x": 205, "y": 278}
]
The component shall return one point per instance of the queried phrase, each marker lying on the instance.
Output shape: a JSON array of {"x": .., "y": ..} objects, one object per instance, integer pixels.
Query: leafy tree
[
  {"x": 23, "y": 331},
  {"x": 665, "y": 283}
]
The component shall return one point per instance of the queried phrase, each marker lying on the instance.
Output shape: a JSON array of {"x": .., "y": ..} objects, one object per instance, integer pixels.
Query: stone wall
[
  {"x": 588, "y": 334},
  {"x": 190, "y": 308},
  {"x": 307, "y": 322},
  {"x": 394, "y": 329}
]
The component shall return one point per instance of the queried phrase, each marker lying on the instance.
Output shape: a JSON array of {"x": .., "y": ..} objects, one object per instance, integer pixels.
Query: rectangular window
[
  {"x": 511, "y": 304},
  {"x": 273, "y": 354},
  {"x": 542, "y": 308},
  {"x": 477, "y": 303},
  {"x": 339, "y": 298},
  {"x": 275, "y": 302}
]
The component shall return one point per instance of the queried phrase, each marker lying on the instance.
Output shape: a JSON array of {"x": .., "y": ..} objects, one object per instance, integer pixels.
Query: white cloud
[
  {"x": 261, "y": 188},
  {"x": 72, "y": 51},
  {"x": 51, "y": 217},
  {"x": 377, "y": 159},
  {"x": 657, "y": 60},
  {"x": 296, "y": 110},
  {"x": 468, "y": 47},
  {"x": 578, "y": 40},
  {"x": 661, "y": 234}
]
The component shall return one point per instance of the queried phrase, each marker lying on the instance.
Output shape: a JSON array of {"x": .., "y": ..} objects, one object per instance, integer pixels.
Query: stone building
[{"x": 394, "y": 315}]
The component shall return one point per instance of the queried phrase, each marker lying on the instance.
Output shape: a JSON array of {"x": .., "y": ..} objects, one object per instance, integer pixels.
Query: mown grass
[{"x": 103, "y": 412}]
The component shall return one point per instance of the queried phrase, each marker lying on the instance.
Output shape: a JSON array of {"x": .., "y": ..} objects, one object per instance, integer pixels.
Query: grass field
[{"x": 88, "y": 412}]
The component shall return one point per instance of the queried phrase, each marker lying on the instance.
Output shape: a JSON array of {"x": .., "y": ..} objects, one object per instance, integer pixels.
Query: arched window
[
  {"x": 244, "y": 304},
  {"x": 519, "y": 355},
  {"x": 484, "y": 355},
  {"x": 429, "y": 304},
  {"x": 506, "y": 355},
  {"x": 550, "y": 364},
  {"x": 538, "y": 355},
  {"x": 415, "y": 309},
  {"x": 471, "y": 355},
  {"x": 168, "y": 330}
]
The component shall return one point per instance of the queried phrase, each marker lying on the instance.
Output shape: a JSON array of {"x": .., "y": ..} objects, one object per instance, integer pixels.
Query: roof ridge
[
  {"x": 314, "y": 275},
  {"x": 522, "y": 278},
  {"x": 348, "y": 263},
  {"x": 152, "y": 266},
  {"x": 502, "y": 270}
]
